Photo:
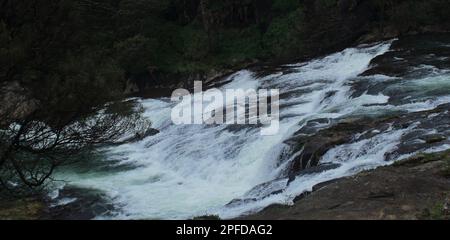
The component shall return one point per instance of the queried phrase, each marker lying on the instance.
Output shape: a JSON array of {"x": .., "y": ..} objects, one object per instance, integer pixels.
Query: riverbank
[
  {"x": 70, "y": 204},
  {"x": 411, "y": 189},
  {"x": 22, "y": 209}
]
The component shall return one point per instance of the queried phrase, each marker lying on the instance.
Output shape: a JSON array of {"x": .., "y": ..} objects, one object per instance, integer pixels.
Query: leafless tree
[{"x": 31, "y": 149}]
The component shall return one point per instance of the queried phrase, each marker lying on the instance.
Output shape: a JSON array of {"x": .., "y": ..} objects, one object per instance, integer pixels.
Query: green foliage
[
  {"x": 237, "y": 45},
  {"x": 412, "y": 14},
  {"x": 285, "y": 6},
  {"x": 435, "y": 212},
  {"x": 135, "y": 53},
  {"x": 326, "y": 3},
  {"x": 194, "y": 45},
  {"x": 283, "y": 37},
  {"x": 129, "y": 37},
  {"x": 50, "y": 48}
]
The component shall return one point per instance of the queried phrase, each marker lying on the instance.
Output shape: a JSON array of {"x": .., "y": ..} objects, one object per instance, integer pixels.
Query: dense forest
[
  {"x": 62, "y": 59},
  {"x": 99, "y": 44}
]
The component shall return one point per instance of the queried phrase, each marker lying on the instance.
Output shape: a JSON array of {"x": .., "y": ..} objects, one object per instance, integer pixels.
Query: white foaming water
[
  {"x": 353, "y": 158},
  {"x": 193, "y": 170}
]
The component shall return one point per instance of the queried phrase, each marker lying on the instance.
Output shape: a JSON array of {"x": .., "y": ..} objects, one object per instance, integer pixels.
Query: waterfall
[{"x": 191, "y": 170}]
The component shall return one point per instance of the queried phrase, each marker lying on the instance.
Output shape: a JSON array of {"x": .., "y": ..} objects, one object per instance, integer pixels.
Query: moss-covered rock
[{"x": 21, "y": 209}]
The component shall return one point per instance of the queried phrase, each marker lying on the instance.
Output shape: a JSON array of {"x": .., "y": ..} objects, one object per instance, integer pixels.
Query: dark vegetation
[
  {"x": 188, "y": 36},
  {"x": 62, "y": 60},
  {"x": 99, "y": 44}
]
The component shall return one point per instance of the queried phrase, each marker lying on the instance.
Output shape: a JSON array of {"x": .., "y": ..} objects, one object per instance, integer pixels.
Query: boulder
[{"x": 139, "y": 136}]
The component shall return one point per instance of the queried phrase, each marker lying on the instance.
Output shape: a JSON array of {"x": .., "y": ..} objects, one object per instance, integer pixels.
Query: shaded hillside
[{"x": 161, "y": 42}]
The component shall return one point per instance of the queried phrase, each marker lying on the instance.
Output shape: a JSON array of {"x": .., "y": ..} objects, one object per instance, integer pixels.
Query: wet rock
[
  {"x": 434, "y": 138},
  {"x": 312, "y": 142},
  {"x": 139, "y": 136},
  {"x": 149, "y": 132},
  {"x": 267, "y": 189},
  {"x": 316, "y": 169},
  {"x": 238, "y": 202},
  {"x": 410, "y": 58},
  {"x": 80, "y": 204},
  {"x": 301, "y": 196},
  {"x": 314, "y": 126},
  {"x": 313, "y": 147},
  {"x": 260, "y": 192}
]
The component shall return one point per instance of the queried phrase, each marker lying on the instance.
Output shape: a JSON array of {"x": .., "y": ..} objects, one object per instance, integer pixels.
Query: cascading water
[{"x": 191, "y": 170}]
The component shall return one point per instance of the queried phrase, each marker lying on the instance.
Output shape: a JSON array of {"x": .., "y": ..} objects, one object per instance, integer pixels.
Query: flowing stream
[{"x": 193, "y": 170}]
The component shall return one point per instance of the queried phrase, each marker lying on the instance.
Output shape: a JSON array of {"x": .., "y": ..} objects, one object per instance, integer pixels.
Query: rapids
[{"x": 192, "y": 170}]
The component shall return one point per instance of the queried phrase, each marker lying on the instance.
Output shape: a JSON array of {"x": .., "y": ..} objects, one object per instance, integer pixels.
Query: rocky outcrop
[
  {"x": 313, "y": 143},
  {"x": 139, "y": 136},
  {"x": 416, "y": 188},
  {"x": 313, "y": 147}
]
